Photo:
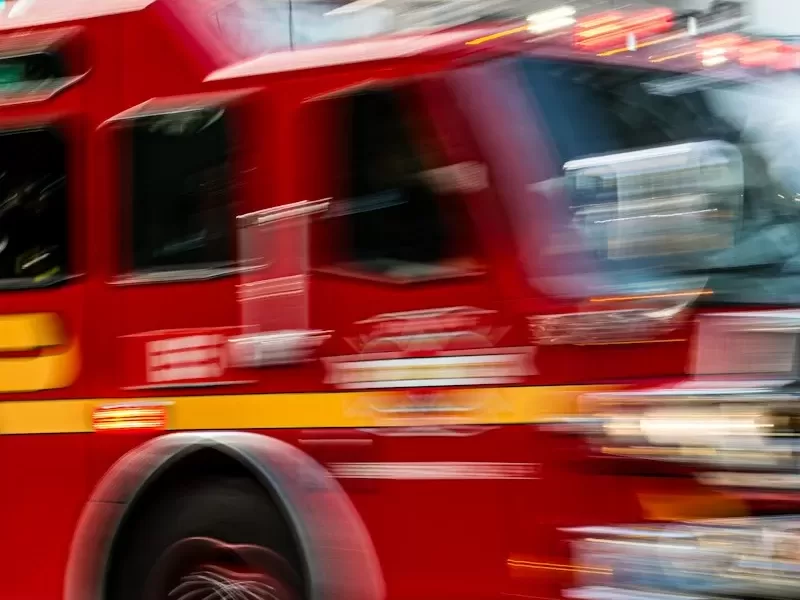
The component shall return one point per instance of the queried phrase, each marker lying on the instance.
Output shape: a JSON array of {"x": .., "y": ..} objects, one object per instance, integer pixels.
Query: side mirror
[{"x": 668, "y": 203}]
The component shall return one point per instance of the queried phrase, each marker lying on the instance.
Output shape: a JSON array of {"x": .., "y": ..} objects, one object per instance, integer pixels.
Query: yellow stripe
[
  {"x": 48, "y": 416},
  {"x": 485, "y": 406}
]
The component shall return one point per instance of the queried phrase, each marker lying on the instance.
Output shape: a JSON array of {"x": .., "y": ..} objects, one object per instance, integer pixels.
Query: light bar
[
  {"x": 769, "y": 53},
  {"x": 615, "y": 28},
  {"x": 551, "y": 20}
]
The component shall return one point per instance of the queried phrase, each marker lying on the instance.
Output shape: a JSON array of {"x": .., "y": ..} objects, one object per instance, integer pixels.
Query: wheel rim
[{"x": 208, "y": 569}]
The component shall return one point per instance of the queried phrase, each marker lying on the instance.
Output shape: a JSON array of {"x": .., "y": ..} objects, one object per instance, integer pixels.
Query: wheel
[{"x": 209, "y": 540}]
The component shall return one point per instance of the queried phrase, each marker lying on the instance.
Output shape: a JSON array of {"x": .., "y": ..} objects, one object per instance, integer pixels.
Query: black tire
[{"x": 234, "y": 511}]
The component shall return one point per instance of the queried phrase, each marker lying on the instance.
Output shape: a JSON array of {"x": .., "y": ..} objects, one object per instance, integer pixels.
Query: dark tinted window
[
  {"x": 180, "y": 191},
  {"x": 595, "y": 109},
  {"x": 41, "y": 66},
  {"x": 396, "y": 222},
  {"x": 33, "y": 206},
  {"x": 21, "y": 73}
]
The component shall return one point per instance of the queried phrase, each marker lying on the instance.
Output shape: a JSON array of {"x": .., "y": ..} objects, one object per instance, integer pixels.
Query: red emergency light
[
  {"x": 619, "y": 31},
  {"x": 719, "y": 49},
  {"x": 771, "y": 54},
  {"x": 611, "y": 29}
]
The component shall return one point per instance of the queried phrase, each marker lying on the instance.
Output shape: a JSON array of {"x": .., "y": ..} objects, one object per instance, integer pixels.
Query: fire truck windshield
[
  {"x": 586, "y": 110},
  {"x": 256, "y": 27}
]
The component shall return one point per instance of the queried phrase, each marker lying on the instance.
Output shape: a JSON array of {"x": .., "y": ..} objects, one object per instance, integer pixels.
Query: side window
[
  {"x": 179, "y": 196},
  {"x": 396, "y": 219},
  {"x": 33, "y": 206}
]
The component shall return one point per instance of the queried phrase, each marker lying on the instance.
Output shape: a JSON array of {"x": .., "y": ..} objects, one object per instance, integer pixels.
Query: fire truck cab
[{"x": 335, "y": 320}]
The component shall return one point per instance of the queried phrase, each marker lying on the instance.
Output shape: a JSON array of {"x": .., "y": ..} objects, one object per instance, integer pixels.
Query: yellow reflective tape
[{"x": 488, "y": 406}]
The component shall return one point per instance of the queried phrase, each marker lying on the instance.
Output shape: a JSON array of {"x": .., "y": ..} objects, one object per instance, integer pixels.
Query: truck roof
[
  {"x": 29, "y": 13},
  {"x": 369, "y": 50},
  {"x": 489, "y": 40}
]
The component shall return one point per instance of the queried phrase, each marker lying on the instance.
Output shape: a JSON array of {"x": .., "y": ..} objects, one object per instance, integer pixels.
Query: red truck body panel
[{"x": 485, "y": 525}]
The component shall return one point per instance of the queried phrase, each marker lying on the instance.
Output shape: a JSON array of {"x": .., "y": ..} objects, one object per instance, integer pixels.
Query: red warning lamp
[
  {"x": 769, "y": 53},
  {"x": 732, "y": 48},
  {"x": 760, "y": 54},
  {"x": 719, "y": 49},
  {"x": 725, "y": 40},
  {"x": 610, "y": 29}
]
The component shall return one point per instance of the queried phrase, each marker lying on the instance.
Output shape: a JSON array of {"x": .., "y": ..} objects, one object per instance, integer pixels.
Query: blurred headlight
[
  {"x": 731, "y": 429},
  {"x": 714, "y": 427}
]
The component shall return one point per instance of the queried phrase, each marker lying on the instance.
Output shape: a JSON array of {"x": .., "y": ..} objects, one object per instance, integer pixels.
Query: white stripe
[
  {"x": 437, "y": 371},
  {"x": 435, "y": 470}
]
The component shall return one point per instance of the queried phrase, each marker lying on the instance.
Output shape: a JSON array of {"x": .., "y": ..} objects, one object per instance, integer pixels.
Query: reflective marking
[
  {"x": 185, "y": 358},
  {"x": 435, "y": 470}
]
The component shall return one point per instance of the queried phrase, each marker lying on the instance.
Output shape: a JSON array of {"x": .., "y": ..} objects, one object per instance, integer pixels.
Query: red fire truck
[{"x": 354, "y": 319}]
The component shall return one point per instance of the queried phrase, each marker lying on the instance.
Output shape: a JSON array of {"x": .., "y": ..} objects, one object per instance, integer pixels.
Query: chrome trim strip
[
  {"x": 180, "y": 275},
  {"x": 607, "y": 326},
  {"x": 297, "y": 209},
  {"x": 275, "y": 348}
]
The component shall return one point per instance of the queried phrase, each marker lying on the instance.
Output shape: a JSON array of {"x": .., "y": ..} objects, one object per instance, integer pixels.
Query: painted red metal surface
[{"x": 436, "y": 538}]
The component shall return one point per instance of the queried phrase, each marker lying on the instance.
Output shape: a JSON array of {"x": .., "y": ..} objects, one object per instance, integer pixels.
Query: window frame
[{"x": 67, "y": 44}]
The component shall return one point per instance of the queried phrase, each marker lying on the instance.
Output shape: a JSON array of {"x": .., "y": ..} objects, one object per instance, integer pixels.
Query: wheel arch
[{"x": 338, "y": 556}]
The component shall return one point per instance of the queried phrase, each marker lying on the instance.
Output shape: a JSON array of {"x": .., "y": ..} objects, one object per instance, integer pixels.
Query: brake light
[
  {"x": 144, "y": 416},
  {"x": 614, "y": 28}
]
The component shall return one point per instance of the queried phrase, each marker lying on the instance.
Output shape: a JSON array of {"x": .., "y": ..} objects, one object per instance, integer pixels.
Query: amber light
[{"x": 130, "y": 417}]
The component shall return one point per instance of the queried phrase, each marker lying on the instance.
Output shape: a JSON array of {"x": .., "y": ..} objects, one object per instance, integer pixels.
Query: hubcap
[{"x": 208, "y": 569}]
